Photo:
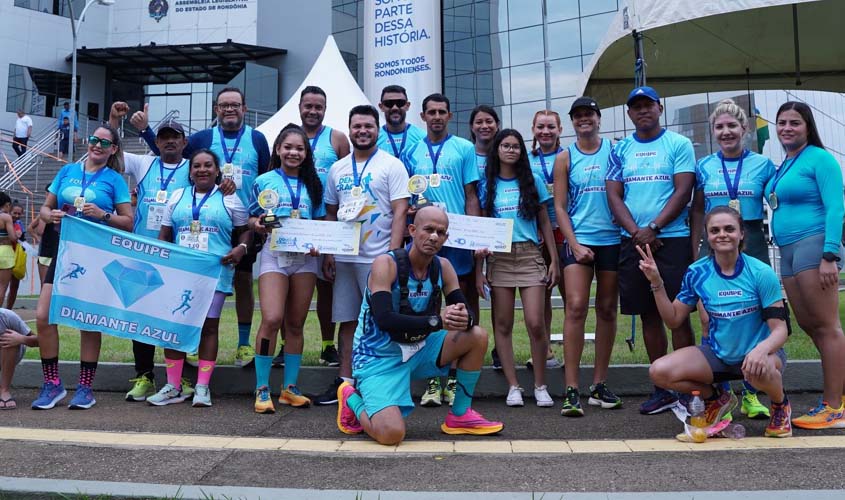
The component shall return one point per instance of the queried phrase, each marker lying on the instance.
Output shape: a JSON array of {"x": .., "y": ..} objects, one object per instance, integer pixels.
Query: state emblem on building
[{"x": 158, "y": 9}]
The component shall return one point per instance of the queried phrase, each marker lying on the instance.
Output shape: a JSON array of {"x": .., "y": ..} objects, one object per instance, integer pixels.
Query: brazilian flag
[{"x": 762, "y": 131}]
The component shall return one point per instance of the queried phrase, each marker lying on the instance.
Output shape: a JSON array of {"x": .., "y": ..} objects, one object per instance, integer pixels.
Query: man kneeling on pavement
[{"x": 404, "y": 335}]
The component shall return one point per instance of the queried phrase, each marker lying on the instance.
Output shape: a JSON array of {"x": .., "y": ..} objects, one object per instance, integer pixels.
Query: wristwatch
[
  {"x": 433, "y": 321},
  {"x": 654, "y": 227},
  {"x": 106, "y": 217},
  {"x": 830, "y": 257}
]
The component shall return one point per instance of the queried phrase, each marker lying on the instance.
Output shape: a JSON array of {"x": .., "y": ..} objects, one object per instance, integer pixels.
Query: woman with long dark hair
[
  {"x": 95, "y": 191},
  {"x": 483, "y": 125},
  {"x": 514, "y": 192},
  {"x": 286, "y": 280},
  {"x": 805, "y": 196}
]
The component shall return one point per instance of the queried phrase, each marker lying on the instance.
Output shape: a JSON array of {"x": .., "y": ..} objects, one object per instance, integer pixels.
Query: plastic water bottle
[
  {"x": 734, "y": 431},
  {"x": 697, "y": 420}
]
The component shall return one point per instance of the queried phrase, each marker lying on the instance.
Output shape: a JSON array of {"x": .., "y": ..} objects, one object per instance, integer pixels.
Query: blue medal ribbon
[
  {"x": 93, "y": 179},
  {"x": 294, "y": 198},
  {"x": 226, "y": 154},
  {"x": 435, "y": 157},
  {"x": 397, "y": 151},
  {"x": 165, "y": 183},
  {"x": 195, "y": 209},
  {"x": 356, "y": 179},
  {"x": 548, "y": 176},
  {"x": 316, "y": 138},
  {"x": 733, "y": 188}
]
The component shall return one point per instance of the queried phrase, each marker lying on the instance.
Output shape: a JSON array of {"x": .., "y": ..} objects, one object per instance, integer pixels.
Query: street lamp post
[{"x": 75, "y": 114}]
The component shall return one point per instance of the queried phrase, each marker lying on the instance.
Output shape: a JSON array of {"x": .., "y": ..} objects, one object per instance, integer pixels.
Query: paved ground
[{"x": 606, "y": 451}]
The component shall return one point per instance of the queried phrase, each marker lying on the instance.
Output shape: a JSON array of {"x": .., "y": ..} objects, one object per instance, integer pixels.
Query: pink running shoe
[
  {"x": 470, "y": 422},
  {"x": 347, "y": 422}
]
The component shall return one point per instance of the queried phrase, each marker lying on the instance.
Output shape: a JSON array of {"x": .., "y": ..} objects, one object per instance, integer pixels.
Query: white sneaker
[
  {"x": 541, "y": 395},
  {"x": 167, "y": 395},
  {"x": 515, "y": 396},
  {"x": 202, "y": 396},
  {"x": 553, "y": 363}
]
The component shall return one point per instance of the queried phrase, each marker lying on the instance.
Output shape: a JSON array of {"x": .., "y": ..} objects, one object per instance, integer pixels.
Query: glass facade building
[{"x": 496, "y": 52}]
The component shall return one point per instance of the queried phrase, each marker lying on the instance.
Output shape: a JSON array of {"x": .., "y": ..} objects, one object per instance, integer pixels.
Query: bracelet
[
  {"x": 242, "y": 244},
  {"x": 655, "y": 288}
]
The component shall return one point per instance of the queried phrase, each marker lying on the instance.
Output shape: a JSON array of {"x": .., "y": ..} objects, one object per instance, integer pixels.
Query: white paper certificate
[
  {"x": 329, "y": 237},
  {"x": 473, "y": 233}
]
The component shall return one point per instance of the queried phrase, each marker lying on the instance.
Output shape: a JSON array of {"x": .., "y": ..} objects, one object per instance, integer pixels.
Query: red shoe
[
  {"x": 347, "y": 422},
  {"x": 470, "y": 422}
]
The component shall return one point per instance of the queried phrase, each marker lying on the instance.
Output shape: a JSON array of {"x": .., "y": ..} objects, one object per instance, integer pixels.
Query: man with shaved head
[{"x": 404, "y": 335}]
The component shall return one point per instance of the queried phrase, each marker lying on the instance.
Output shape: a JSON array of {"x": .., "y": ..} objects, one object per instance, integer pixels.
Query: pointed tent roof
[{"x": 331, "y": 74}]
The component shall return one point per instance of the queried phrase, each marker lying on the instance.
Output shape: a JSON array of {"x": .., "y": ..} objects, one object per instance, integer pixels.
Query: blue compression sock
[
  {"x": 262, "y": 370},
  {"x": 243, "y": 333},
  {"x": 292, "y": 362},
  {"x": 356, "y": 404},
  {"x": 748, "y": 387},
  {"x": 463, "y": 391}
]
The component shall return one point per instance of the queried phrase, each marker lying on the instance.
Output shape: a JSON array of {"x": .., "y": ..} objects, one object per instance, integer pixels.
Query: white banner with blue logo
[{"x": 130, "y": 286}]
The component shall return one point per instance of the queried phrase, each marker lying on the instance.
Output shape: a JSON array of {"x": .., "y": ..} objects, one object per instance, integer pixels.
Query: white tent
[
  {"x": 695, "y": 46},
  {"x": 330, "y": 74}
]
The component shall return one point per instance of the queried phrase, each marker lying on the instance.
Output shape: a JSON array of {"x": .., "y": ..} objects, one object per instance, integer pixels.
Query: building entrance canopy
[
  {"x": 157, "y": 64},
  {"x": 691, "y": 46}
]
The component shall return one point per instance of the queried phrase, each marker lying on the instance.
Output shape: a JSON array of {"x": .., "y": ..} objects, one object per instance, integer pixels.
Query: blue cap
[{"x": 647, "y": 92}]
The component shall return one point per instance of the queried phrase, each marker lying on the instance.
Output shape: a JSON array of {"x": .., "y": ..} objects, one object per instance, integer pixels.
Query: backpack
[{"x": 403, "y": 273}]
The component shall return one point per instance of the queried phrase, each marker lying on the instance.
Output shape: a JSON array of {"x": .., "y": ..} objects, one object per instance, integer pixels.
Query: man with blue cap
[{"x": 649, "y": 183}]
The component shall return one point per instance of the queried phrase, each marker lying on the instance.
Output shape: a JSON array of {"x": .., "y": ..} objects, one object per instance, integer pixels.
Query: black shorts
[
  {"x": 605, "y": 257},
  {"x": 673, "y": 259},
  {"x": 723, "y": 372},
  {"x": 51, "y": 272},
  {"x": 251, "y": 255}
]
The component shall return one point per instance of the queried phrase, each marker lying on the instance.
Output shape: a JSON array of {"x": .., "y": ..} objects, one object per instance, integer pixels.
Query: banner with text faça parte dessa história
[{"x": 402, "y": 46}]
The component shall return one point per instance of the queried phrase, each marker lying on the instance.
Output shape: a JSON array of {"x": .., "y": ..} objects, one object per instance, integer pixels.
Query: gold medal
[
  {"x": 734, "y": 204},
  {"x": 551, "y": 188},
  {"x": 161, "y": 196},
  {"x": 79, "y": 202},
  {"x": 357, "y": 191},
  {"x": 228, "y": 170},
  {"x": 196, "y": 227},
  {"x": 294, "y": 213},
  {"x": 773, "y": 200},
  {"x": 434, "y": 180}
]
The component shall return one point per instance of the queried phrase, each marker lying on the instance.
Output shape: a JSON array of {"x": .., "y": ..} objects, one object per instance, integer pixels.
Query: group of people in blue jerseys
[{"x": 660, "y": 234}]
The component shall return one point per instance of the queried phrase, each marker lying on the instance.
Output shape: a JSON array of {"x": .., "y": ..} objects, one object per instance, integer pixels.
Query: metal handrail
[{"x": 30, "y": 159}]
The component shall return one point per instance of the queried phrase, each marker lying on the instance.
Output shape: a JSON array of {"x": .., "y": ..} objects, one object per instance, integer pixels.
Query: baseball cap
[
  {"x": 585, "y": 102},
  {"x": 172, "y": 125},
  {"x": 647, "y": 92}
]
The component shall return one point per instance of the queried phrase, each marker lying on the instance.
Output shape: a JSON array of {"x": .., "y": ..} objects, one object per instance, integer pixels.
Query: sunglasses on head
[
  {"x": 399, "y": 103},
  {"x": 104, "y": 143}
]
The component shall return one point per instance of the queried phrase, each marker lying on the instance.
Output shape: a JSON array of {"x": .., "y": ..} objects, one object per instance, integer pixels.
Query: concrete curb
[{"x": 625, "y": 380}]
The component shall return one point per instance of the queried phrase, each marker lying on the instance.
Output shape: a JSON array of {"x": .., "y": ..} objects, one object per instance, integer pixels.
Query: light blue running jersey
[
  {"x": 104, "y": 190},
  {"x": 481, "y": 163},
  {"x": 244, "y": 159},
  {"x": 506, "y": 206},
  {"x": 647, "y": 170},
  {"x": 735, "y": 303},
  {"x": 401, "y": 141},
  {"x": 587, "y": 205},
  {"x": 370, "y": 342},
  {"x": 809, "y": 194},
  {"x": 544, "y": 166},
  {"x": 156, "y": 177},
  {"x": 217, "y": 221},
  {"x": 275, "y": 181},
  {"x": 324, "y": 153},
  {"x": 756, "y": 172},
  {"x": 456, "y": 167}
]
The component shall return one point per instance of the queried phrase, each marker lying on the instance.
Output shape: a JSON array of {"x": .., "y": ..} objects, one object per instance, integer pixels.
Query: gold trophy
[
  {"x": 268, "y": 200},
  {"x": 417, "y": 185}
]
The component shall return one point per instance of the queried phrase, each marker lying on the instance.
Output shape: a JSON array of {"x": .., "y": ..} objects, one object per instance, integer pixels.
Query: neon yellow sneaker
[
  {"x": 448, "y": 393},
  {"x": 244, "y": 356},
  {"x": 143, "y": 387},
  {"x": 432, "y": 396},
  {"x": 820, "y": 417},
  {"x": 752, "y": 407}
]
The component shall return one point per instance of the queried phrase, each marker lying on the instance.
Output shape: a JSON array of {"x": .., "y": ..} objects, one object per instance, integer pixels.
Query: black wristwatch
[
  {"x": 654, "y": 227},
  {"x": 106, "y": 217},
  {"x": 830, "y": 257}
]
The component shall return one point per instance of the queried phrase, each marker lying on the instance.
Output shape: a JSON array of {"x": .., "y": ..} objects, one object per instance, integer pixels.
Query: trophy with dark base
[{"x": 268, "y": 200}]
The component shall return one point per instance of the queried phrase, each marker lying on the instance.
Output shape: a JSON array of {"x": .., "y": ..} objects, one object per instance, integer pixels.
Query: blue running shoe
[
  {"x": 49, "y": 396},
  {"x": 83, "y": 399},
  {"x": 659, "y": 401}
]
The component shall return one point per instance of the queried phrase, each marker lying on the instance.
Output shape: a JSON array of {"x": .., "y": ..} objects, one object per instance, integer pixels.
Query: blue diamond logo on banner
[{"x": 132, "y": 280}]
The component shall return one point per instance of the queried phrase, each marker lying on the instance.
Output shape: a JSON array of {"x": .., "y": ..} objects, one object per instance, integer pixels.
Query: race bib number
[
  {"x": 408, "y": 350},
  {"x": 155, "y": 213},
  {"x": 350, "y": 209},
  {"x": 237, "y": 174},
  {"x": 286, "y": 259},
  {"x": 194, "y": 241}
]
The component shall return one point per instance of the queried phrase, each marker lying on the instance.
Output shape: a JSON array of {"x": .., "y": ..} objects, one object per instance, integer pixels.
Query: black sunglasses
[{"x": 399, "y": 103}]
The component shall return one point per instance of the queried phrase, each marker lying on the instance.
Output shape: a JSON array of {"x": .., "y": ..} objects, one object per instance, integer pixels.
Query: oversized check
[
  {"x": 329, "y": 237},
  {"x": 473, "y": 233}
]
